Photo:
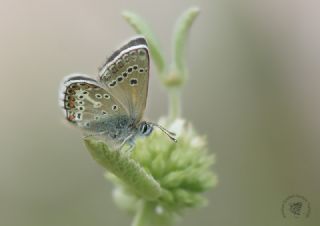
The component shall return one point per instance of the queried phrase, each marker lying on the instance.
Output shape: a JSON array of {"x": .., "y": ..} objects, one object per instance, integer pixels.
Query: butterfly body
[{"x": 112, "y": 106}]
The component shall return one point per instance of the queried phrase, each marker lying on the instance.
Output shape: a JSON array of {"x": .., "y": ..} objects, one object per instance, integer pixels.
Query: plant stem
[
  {"x": 150, "y": 215},
  {"x": 174, "y": 103}
]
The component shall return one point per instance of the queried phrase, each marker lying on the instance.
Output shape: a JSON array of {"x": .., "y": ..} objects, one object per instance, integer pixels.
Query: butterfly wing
[
  {"x": 126, "y": 76},
  {"x": 92, "y": 108}
]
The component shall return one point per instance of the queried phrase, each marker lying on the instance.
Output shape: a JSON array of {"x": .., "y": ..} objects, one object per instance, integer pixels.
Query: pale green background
[{"x": 253, "y": 90}]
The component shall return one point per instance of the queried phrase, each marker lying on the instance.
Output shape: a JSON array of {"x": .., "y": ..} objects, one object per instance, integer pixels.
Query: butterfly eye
[{"x": 145, "y": 129}]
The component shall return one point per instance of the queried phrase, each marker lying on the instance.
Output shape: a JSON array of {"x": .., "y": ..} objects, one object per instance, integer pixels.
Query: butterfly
[{"x": 112, "y": 106}]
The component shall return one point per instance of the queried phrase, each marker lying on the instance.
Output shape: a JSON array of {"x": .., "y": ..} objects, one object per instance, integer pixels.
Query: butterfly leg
[
  {"x": 130, "y": 148},
  {"x": 130, "y": 142},
  {"x": 94, "y": 134}
]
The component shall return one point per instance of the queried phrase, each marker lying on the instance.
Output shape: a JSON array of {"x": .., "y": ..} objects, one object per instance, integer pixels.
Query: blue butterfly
[{"x": 112, "y": 106}]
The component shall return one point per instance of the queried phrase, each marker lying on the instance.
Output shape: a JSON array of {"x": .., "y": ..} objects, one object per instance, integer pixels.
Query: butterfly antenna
[{"x": 171, "y": 135}]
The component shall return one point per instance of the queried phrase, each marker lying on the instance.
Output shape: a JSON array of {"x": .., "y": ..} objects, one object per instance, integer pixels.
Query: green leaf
[
  {"x": 141, "y": 27},
  {"x": 126, "y": 169},
  {"x": 180, "y": 39}
]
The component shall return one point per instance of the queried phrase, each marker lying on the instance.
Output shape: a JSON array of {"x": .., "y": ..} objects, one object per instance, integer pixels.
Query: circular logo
[{"x": 295, "y": 206}]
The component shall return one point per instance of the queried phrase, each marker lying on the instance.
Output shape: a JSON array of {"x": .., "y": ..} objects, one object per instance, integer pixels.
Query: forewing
[{"x": 126, "y": 76}]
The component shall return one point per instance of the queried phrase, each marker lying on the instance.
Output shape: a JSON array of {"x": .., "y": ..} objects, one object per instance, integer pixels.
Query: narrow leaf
[
  {"x": 141, "y": 27},
  {"x": 180, "y": 38},
  {"x": 125, "y": 168}
]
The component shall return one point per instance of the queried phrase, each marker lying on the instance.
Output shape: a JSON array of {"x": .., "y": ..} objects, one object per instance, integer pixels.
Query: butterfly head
[{"x": 146, "y": 128}]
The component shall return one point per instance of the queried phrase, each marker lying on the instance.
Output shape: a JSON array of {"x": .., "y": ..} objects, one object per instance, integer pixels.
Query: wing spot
[
  {"x": 106, "y": 96},
  {"x": 80, "y": 108},
  {"x": 141, "y": 70},
  {"x": 97, "y": 105},
  {"x": 115, "y": 107},
  {"x": 126, "y": 58},
  {"x": 120, "y": 64},
  {"x": 67, "y": 105},
  {"x": 98, "y": 96},
  {"x": 129, "y": 70},
  {"x": 106, "y": 76},
  {"x": 112, "y": 84},
  {"x": 120, "y": 78},
  {"x": 135, "y": 67},
  {"x": 103, "y": 112},
  {"x": 71, "y": 117},
  {"x": 142, "y": 53},
  {"x": 113, "y": 69},
  {"x": 133, "y": 82},
  {"x": 70, "y": 91},
  {"x": 133, "y": 55},
  {"x": 78, "y": 116},
  {"x": 125, "y": 74}
]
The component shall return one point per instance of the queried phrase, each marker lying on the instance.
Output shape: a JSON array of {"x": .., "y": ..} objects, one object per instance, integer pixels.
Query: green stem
[
  {"x": 174, "y": 103},
  {"x": 150, "y": 215}
]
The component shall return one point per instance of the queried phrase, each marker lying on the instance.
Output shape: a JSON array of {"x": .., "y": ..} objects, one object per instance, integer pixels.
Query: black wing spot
[{"x": 133, "y": 81}]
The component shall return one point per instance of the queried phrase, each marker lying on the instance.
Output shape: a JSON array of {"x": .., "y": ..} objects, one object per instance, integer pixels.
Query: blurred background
[{"x": 253, "y": 91}]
